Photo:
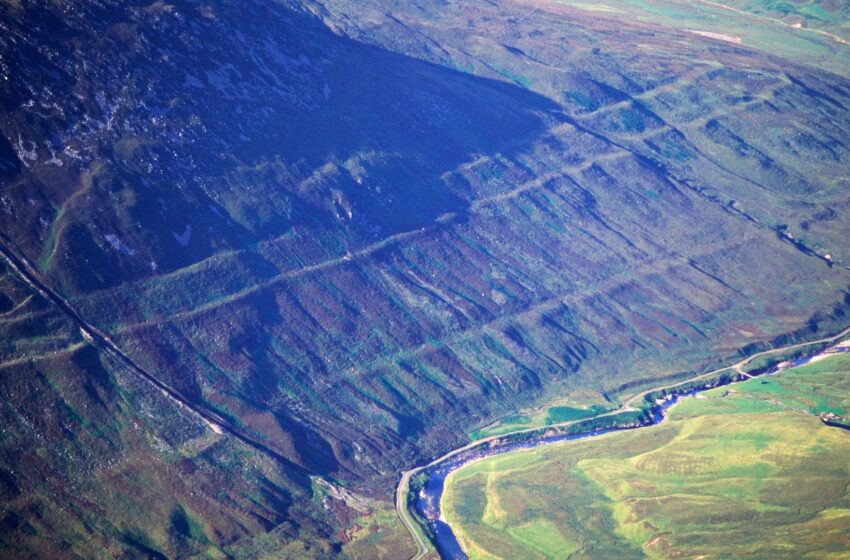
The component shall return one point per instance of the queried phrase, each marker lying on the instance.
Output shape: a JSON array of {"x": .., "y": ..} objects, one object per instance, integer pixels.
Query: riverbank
[
  {"x": 428, "y": 480},
  {"x": 749, "y": 470}
]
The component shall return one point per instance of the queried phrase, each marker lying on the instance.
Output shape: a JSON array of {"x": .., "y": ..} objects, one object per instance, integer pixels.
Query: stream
[{"x": 427, "y": 503}]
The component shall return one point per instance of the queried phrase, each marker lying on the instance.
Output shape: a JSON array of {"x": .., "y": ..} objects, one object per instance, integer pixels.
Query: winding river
[{"x": 427, "y": 503}]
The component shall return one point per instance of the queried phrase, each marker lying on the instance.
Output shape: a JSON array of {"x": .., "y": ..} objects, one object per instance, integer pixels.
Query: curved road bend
[
  {"x": 29, "y": 275},
  {"x": 422, "y": 548}
]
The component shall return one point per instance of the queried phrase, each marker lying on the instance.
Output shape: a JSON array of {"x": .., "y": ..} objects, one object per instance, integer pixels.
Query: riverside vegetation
[
  {"x": 260, "y": 257},
  {"x": 751, "y": 470}
]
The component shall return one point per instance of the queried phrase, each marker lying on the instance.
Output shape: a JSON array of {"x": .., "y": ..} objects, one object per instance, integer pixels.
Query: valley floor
[{"x": 749, "y": 471}]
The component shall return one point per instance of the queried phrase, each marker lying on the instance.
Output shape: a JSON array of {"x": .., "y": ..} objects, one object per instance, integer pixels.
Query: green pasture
[
  {"x": 545, "y": 417},
  {"x": 747, "y": 470},
  {"x": 765, "y": 25}
]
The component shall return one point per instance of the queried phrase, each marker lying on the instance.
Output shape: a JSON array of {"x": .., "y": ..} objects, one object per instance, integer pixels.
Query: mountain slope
[{"x": 350, "y": 234}]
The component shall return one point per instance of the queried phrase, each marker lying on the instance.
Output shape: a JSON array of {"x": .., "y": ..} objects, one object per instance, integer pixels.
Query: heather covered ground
[{"x": 354, "y": 233}]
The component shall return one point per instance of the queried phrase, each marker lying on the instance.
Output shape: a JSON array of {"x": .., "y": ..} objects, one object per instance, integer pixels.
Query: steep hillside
[{"x": 284, "y": 245}]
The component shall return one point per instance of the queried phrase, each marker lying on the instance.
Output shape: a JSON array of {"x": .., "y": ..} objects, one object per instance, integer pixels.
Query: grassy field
[
  {"x": 379, "y": 534},
  {"x": 545, "y": 416},
  {"x": 826, "y": 15},
  {"x": 805, "y": 32},
  {"x": 743, "y": 471}
]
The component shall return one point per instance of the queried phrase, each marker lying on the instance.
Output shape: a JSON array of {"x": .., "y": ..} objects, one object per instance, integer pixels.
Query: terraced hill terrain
[{"x": 260, "y": 257}]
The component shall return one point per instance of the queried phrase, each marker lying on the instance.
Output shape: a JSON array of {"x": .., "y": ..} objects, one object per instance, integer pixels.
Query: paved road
[{"x": 422, "y": 547}]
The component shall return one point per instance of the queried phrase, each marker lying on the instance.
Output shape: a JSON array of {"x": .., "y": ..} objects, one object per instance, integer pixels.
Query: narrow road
[
  {"x": 22, "y": 268},
  {"x": 832, "y": 36},
  {"x": 404, "y": 514},
  {"x": 422, "y": 548}
]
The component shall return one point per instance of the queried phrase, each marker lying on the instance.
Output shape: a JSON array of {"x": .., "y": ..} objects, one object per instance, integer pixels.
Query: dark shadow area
[{"x": 204, "y": 128}]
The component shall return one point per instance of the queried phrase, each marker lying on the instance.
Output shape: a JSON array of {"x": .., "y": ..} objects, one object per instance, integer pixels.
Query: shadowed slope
[{"x": 356, "y": 247}]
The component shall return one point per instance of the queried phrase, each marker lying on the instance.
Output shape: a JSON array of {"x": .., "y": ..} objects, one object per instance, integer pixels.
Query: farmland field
[{"x": 743, "y": 471}]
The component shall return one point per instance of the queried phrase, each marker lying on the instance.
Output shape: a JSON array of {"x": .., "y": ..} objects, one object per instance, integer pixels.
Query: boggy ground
[{"x": 744, "y": 471}]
